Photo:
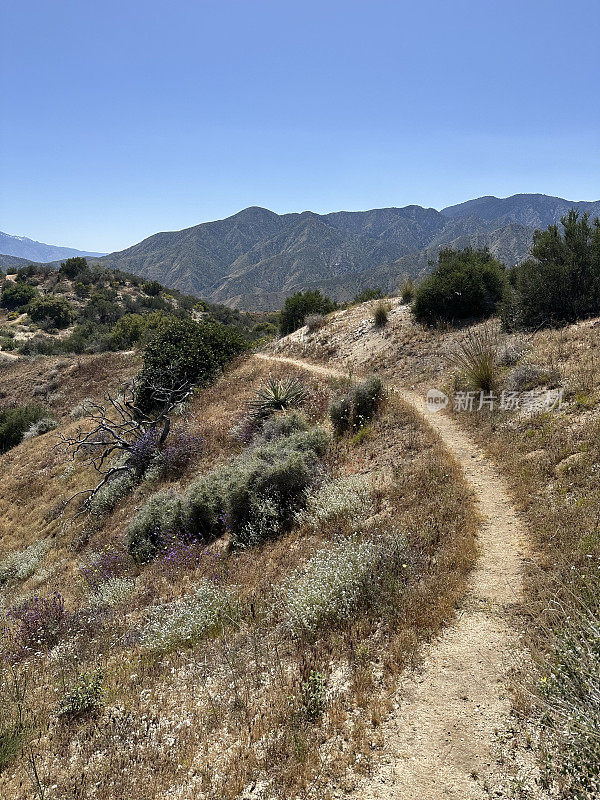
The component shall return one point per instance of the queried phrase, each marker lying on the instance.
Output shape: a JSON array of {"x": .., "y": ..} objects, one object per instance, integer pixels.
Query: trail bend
[{"x": 439, "y": 740}]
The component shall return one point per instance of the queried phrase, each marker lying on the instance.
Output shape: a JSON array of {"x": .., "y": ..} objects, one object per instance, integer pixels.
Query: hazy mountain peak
[{"x": 22, "y": 247}]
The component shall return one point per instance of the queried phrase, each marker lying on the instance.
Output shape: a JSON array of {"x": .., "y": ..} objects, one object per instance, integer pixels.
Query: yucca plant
[
  {"x": 476, "y": 358},
  {"x": 277, "y": 395}
]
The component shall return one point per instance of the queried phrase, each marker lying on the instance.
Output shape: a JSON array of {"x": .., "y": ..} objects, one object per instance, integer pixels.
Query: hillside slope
[
  {"x": 251, "y": 697},
  {"x": 93, "y": 309},
  {"x": 249, "y": 705},
  {"x": 12, "y": 261},
  {"x": 547, "y": 457}
]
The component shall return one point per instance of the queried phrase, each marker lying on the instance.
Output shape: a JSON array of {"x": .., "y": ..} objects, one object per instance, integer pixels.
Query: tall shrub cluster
[
  {"x": 561, "y": 282},
  {"x": 297, "y": 307},
  {"x": 255, "y": 496},
  {"x": 55, "y": 310},
  {"x": 464, "y": 284},
  {"x": 356, "y": 408},
  {"x": 16, "y": 295},
  {"x": 183, "y": 353}
]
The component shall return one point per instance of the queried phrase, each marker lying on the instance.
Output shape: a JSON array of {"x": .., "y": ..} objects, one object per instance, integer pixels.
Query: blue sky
[{"x": 120, "y": 119}]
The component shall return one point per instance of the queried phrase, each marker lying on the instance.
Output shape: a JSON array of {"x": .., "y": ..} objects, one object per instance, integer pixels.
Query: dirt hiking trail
[{"x": 439, "y": 740}]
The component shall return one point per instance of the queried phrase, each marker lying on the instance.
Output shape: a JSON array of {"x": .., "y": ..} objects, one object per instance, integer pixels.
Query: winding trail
[{"x": 440, "y": 737}]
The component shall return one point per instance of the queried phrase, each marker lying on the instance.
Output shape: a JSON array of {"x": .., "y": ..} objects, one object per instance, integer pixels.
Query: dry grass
[
  {"x": 60, "y": 382},
  {"x": 246, "y": 704}
]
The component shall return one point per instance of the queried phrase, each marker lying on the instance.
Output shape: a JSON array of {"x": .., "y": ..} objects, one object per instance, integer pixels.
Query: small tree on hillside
[
  {"x": 464, "y": 284},
  {"x": 185, "y": 352},
  {"x": 297, "y": 307},
  {"x": 72, "y": 267},
  {"x": 561, "y": 282},
  {"x": 152, "y": 288},
  {"x": 56, "y": 309}
]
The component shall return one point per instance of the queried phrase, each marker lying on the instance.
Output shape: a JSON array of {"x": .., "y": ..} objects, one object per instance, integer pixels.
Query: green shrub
[
  {"x": 81, "y": 290},
  {"x": 16, "y": 295},
  {"x": 7, "y": 343},
  {"x": 263, "y": 490},
  {"x": 277, "y": 426},
  {"x": 340, "y": 414},
  {"x": 14, "y": 422},
  {"x": 255, "y": 496},
  {"x": 152, "y": 288},
  {"x": 182, "y": 351},
  {"x": 114, "y": 490},
  {"x": 357, "y": 407},
  {"x": 72, "y": 267},
  {"x": 101, "y": 309},
  {"x": 297, "y": 307},
  {"x": 380, "y": 317},
  {"x": 203, "y": 505},
  {"x": 56, "y": 309},
  {"x": 465, "y": 284},
  {"x": 85, "y": 697},
  {"x": 561, "y": 282},
  {"x": 154, "y": 525},
  {"x": 263, "y": 332},
  {"x": 132, "y": 329},
  {"x": 313, "y": 696},
  {"x": 267, "y": 491},
  {"x": 365, "y": 401},
  {"x": 28, "y": 273}
]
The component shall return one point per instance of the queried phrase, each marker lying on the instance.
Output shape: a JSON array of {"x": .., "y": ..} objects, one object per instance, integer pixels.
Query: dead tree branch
[{"x": 118, "y": 437}]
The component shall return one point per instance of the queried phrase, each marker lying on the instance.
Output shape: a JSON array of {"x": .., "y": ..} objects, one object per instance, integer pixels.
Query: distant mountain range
[
  {"x": 254, "y": 259},
  {"x": 31, "y": 251}
]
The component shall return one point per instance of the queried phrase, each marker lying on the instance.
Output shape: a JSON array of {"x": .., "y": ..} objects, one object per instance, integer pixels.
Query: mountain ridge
[{"x": 254, "y": 259}]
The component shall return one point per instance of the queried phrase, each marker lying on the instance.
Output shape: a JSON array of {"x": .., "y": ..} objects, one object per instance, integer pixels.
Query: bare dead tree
[{"x": 117, "y": 431}]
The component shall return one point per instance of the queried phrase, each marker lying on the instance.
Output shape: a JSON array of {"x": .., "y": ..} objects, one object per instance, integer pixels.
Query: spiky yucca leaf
[
  {"x": 277, "y": 395},
  {"x": 476, "y": 357}
]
